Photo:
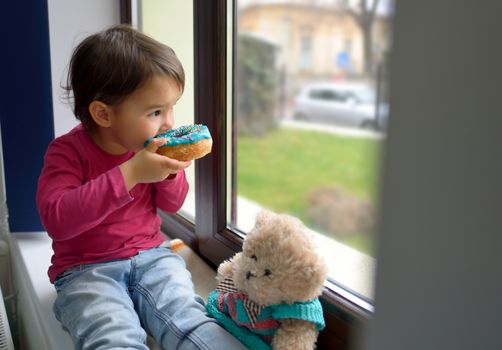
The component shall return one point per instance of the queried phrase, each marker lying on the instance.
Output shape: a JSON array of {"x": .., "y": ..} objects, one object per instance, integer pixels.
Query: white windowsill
[{"x": 31, "y": 256}]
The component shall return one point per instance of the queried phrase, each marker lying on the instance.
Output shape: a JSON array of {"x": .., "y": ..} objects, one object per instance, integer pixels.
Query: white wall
[
  {"x": 70, "y": 21},
  {"x": 439, "y": 251}
]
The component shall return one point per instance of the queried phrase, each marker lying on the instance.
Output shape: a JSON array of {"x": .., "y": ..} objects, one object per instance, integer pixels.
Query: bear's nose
[{"x": 249, "y": 275}]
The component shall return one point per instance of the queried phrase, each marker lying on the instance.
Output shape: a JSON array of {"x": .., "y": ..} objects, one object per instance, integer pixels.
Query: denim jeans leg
[
  {"x": 168, "y": 307},
  {"x": 93, "y": 304}
]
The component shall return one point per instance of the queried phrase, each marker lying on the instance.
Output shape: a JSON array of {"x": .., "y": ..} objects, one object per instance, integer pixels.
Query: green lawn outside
[{"x": 280, "y": 169}]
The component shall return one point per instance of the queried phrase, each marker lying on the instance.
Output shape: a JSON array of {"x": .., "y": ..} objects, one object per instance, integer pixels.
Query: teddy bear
[{"x": 267, "y": 295}]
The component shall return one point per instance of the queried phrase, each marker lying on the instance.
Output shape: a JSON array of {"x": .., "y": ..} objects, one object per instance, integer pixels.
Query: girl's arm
[
  {"x": 69, "y": 207},
  {"x": 169, "y": 195}
]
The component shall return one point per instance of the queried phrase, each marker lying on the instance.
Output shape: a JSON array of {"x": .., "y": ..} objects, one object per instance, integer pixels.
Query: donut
[{"x": 188, "y": 142}]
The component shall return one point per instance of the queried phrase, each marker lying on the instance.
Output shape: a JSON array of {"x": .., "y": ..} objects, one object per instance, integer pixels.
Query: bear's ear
[
  {"x": 312, "y": 272},
  {"x": 225, "y": 270},
  {"x": 263, "y": 217},
  {"x": 308, "y": 271},
  {"x": 313, "y": 282},
  {"x": 316, "y": 272}
]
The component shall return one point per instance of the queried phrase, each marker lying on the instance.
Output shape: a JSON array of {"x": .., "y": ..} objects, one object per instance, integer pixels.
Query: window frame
[{"x": 210, "y": 236}]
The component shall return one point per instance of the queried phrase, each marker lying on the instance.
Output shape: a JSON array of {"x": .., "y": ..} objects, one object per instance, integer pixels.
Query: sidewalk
[{"x": 332, "y": 129}]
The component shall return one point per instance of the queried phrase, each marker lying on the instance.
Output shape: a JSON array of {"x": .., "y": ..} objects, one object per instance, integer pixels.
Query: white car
[{"x": 342, "y": 104}]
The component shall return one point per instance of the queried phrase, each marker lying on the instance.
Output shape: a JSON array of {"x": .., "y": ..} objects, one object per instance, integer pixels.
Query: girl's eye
[
  {"x": 254, "y": 257},
  {"x": 155, "y": 114}
]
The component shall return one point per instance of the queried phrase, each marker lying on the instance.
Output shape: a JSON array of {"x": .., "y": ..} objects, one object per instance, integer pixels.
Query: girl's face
[{"x": 145, "y": 113}]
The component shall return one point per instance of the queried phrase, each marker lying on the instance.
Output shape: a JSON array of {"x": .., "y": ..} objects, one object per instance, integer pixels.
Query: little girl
[{"x": 98, "y": 195}]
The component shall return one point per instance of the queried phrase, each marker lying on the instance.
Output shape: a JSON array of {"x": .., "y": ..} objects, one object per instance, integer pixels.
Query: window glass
[
  {"x": 171, "y": 22},
  {"x": 309, "y": 125}
]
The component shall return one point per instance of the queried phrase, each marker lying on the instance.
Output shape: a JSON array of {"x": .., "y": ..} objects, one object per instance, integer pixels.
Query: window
[
  {"x": 248, "y": 84},
  {"x": 308, "y": 134},
  {"x": 177, "y": 32}
]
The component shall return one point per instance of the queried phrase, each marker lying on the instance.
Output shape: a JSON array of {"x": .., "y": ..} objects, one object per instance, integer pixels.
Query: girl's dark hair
[{"x": 109, "y": 65}]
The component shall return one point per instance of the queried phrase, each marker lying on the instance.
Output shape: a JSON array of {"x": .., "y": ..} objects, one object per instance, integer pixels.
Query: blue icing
[{"x": 183, "y": 135}]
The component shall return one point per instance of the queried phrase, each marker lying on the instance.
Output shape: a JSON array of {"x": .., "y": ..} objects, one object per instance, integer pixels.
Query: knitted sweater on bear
[{"x": 255, "y": 325}]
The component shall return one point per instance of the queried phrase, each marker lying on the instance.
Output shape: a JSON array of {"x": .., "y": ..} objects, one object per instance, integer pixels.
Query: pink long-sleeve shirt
[{"x": 86, "y": 209}]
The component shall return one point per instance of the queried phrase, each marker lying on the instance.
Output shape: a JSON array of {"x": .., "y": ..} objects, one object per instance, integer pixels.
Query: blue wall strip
[{"x": 25, "y": 106}]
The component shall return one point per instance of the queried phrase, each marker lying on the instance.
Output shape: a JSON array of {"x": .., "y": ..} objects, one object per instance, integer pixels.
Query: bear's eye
[
  {"x": 267, "y": 272},
  {"x": 254, "y": 257}
]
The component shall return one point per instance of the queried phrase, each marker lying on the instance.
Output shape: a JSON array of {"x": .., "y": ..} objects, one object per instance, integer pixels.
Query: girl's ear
[{"x": 100, "y": 113}]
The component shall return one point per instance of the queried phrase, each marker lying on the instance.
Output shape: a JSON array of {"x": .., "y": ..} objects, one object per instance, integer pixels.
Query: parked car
[{"x": 345, "y": 104}]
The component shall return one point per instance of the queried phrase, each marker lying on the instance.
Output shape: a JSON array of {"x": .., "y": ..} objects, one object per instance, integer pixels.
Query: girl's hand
[{"x": 147, "y": 166}]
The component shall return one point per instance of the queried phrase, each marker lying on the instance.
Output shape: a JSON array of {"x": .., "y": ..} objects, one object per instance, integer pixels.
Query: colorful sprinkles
[{"x": 184, "y": 135}]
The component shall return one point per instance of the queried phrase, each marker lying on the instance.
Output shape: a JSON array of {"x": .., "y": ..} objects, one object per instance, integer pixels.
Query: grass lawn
[{"x": 280, "y": 169}]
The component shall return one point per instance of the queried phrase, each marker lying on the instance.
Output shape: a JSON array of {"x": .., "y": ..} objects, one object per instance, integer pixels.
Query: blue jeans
[{"x": 113, "y": 305}]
